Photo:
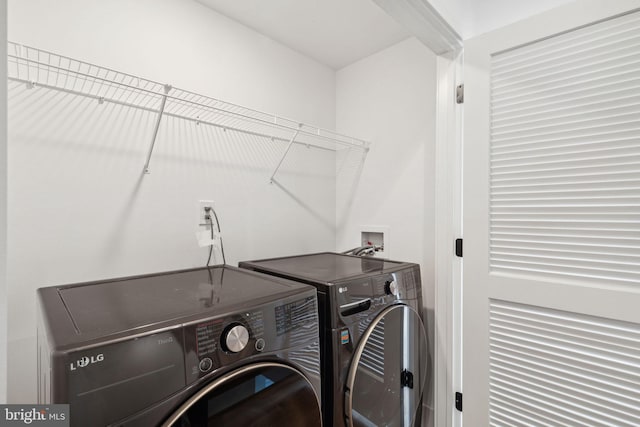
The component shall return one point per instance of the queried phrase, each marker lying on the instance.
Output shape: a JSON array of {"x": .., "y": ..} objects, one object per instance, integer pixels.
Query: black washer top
[
  {"x": 90, "y": 310},
  {"x": 322, "y": 268}
]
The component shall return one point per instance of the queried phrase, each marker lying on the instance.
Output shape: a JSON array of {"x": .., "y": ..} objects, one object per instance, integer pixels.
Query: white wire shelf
[{"x": 39, "y": 68}]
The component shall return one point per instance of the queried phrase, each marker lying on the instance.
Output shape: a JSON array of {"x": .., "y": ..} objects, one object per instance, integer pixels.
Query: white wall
[
  {"x": 3, "y": 202},
  {"x": 389, "y": 99},
  {"x": 182, "y": 43},
  {"x": 79, "y": 208}
]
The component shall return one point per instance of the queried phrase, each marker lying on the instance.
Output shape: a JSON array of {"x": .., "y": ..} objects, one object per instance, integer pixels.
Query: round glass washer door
[
  {"x": 260, "y": 394},
  {"x": 387, "y": 377}
]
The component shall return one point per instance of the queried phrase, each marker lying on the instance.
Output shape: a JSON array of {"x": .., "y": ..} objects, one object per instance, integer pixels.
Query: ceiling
[
  {"x": 333, "y": 32},
  {"x": 473, "y": 17}
]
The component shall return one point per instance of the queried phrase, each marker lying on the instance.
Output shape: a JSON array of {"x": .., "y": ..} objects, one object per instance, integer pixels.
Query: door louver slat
[
  {"x": 564, "y": 196},
  {"x": 548, "y": 367}
]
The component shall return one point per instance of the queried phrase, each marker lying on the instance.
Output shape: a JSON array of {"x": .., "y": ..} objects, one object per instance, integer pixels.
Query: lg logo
[{"x": 86, "y": 361}]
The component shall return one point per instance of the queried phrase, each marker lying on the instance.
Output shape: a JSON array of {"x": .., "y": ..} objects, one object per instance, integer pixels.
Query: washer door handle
[
  {"x": 406, "y": 378},
  {"x": 355, "y": 307}
]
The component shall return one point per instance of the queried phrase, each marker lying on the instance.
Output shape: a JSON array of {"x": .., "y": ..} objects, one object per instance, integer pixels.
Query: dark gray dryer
[
  {"x": 373, "y": 342},
  {"x": 209, "y": 346}
]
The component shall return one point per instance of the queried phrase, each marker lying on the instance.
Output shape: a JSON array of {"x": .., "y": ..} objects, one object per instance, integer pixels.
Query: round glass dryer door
[
  {"x": 262, "y": 394},
  {"x": 389, "y": 370}
]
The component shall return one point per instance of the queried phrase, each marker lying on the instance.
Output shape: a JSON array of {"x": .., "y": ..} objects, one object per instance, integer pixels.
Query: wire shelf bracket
[
  {"x": 37, "y": 68},
  {"x": 167, "y": 89},
  {"x": 284, "y": 155}
]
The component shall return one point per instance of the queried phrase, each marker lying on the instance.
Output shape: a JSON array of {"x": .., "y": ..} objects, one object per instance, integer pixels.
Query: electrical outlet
[{"x": 202, "y": 212}]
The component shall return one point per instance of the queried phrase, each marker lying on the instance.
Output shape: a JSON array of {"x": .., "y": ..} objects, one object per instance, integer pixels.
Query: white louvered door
[{"x": 551, "y": 296}]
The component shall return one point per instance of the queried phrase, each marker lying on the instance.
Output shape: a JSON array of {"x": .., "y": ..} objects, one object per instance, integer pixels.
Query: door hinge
[
  {"x": 459, "y": 248},
  {"x": 459, "y": 401},
  {"x": 460, "y": 94},
  {"x": 406, "y": 379}
]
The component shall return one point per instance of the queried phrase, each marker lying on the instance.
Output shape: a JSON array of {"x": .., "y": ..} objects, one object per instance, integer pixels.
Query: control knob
[
  {"x": 391, "y": 287},
  {"x": 206, "y": 364},
  {"x": 235, "y": 338}
]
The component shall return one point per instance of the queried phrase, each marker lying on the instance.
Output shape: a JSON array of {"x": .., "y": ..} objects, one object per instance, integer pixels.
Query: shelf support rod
[
  {"x": 167, "y": 89},
  {"x": 291, "y": 141}
]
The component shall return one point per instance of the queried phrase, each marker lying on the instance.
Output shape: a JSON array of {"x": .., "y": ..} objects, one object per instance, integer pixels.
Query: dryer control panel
[
  {"x": 402, "y": 285},
  {"x": 360, "y": 298}
]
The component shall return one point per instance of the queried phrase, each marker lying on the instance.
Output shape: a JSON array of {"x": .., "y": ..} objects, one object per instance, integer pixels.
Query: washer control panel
[
  {"x": 216, "y": 342},
  {"x": 220, "y": 341}
]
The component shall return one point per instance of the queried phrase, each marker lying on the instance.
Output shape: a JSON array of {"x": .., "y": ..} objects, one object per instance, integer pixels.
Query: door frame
[{"x": 448, "y": 227}]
